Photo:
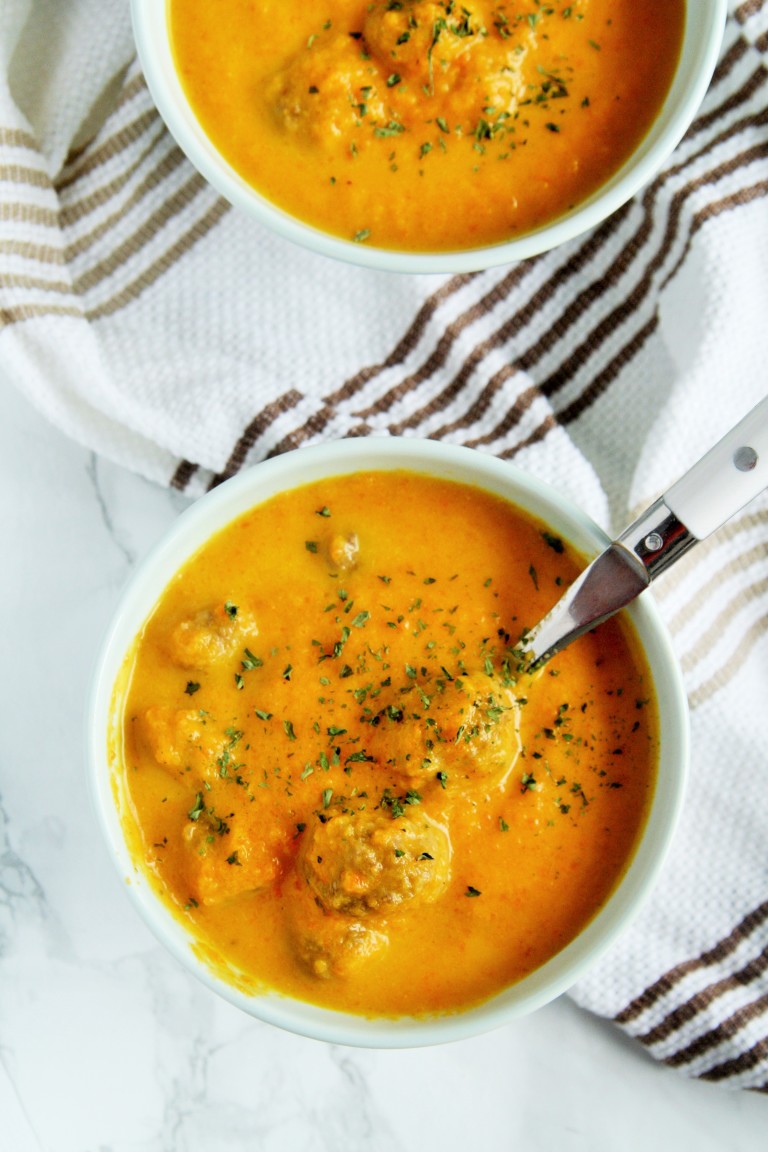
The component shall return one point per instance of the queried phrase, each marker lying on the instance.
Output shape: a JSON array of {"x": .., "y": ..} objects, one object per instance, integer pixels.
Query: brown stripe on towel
[
  {"x": 739, "y": 199},
  {"x": 571, "y": 411},
  {"x": 728, "y": 60},
  {"x": 23, "y": 312},
  {"x": 183, "y": 474},
  {"x": 254, "y": 430},
  {"x": 629, "y": 307},
  {"x": 74, "y": 211},
  {"x": 738, "y": 1065},
  {"x": 484, "y": 399},
  {"x": 20, "y": 280},
  {"x": 747, "y": 641},
  {"x": 18, "y": 212},
  {"x": 603, "y": 380},
  {"x": 439, "y": 354},
  {"x": 98, "y": 151},
  {"x": 40, "y": 253},
  {"x": 683, "y": 1013},
  {"x": 17, "y": 138},
  {"x": 146, "y": 123},
  {"x": 718, "y": 622},
  {"x": 748, "y": 9},
  {"x": 725, "y": 1031},
  {"x": 344, "y": 395},
  {"x": 741, "y": 95},
  {"x": 535, "y": 437},
  {"x": 718, "y": 953},
  {"x": 407, "y": 342},
  {"x": 512, "y": 417},
  {"x": 200, "y": 228},
  {"x": 703, "y": 560},
  {"x": 144, "y": 234},
  {"x": 21, "y": 174},
  {"x": 312, "y": 428},
  {"x": 509, "y": 327}
]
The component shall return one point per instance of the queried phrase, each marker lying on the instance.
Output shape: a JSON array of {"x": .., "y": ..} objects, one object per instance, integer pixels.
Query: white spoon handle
[{"x": 726, "y": 478}]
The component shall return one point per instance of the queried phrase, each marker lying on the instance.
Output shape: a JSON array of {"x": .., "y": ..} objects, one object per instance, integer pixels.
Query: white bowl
[
  {"x": 465, "y": 465},
  {"x": 704, "y": 24}
]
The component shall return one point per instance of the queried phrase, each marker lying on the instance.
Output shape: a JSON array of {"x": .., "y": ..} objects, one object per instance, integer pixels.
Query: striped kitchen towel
[{"x": 157, "y": 326}]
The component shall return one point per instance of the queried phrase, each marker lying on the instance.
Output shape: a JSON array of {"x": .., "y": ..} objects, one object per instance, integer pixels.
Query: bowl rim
[
  {"x": 702, "y": 38},
  {"x": 465, "y": 465}
]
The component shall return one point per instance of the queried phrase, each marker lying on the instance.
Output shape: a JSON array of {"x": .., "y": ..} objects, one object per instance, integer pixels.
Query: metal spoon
[{"x": 714, "y": 489}]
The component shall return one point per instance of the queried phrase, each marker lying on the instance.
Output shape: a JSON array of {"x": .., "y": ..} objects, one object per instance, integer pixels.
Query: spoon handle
[
  {"x": 714, "y": 489},
  {"x": 726, "y": 478}
]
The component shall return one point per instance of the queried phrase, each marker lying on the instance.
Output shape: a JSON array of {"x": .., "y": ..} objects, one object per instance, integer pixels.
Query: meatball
[
  {"x": 420, "y": 37},
  {"x": 330, "y": 945},
  {"x": 231, "y": 848},
  {"x": 463, "y": 728},
  {"x": 326, "y": 90},
  {"x": 441, "y": 49},
  {"x": 211, "y": 635},
  {"x": 179, "y": 738},
  {"x": 369, "y": 862},
  {"x": 482, "y": 738}
]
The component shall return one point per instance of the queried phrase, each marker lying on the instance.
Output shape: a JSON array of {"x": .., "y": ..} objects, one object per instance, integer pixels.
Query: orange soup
[
  {"x": 426, "y": 125},
  {"x": 337, "y": 776}
]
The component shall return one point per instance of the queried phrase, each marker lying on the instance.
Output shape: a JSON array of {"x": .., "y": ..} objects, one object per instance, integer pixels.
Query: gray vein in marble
[
  {"x": 359, "y": 1125},
  {"x": 92, "y": 471},
  {"x": 4, "y": 1053},
  {"x": 185, "y": 1093},
  {"x": 19, "y": 887}
]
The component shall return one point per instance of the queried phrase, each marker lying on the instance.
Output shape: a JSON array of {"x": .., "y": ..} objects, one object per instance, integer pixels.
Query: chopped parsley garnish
[
  {"x": 554, "y": 542},
  {"x": 250, "y": 662},
  {"x": 396, "y": 804}
]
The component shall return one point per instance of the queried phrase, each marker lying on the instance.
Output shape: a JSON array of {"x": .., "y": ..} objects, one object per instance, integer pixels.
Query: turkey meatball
[{"x": 368, "y": 862}]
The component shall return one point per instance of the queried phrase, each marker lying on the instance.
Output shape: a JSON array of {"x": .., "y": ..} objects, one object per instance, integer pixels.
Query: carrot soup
[
  {"x": 334, "y": 771},
  {"x": 426, "y": 125}
]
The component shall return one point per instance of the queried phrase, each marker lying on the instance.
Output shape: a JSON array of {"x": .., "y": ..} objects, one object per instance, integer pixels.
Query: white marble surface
[{"x": 105, "y": 1044}]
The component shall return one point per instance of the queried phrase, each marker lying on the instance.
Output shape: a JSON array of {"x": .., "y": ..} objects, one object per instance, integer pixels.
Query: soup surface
[
  {"x": 333, "y": 771},
  {"x": 426, "y": 125}
]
